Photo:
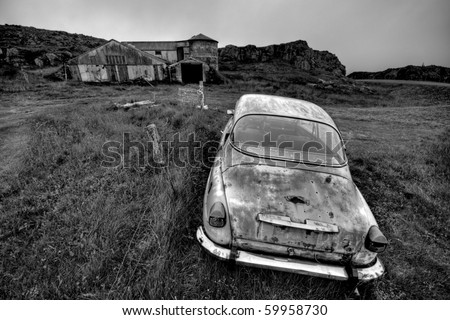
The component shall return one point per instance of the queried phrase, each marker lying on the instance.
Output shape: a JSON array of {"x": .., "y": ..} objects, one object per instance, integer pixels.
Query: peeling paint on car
[
  {"x": 342, "y": 200},
  {"x": 278, "y": 208}
]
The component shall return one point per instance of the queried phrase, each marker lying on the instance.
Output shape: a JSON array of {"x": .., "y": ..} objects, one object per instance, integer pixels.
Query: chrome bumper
[{"x": 289, "y": 265}]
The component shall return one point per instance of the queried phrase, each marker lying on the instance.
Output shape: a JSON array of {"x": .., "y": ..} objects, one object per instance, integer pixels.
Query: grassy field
[{"x": 71, "y": 229}]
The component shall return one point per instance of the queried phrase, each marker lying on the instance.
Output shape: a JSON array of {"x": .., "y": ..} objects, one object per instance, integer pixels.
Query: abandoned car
[{"x": 280, "y": 195}]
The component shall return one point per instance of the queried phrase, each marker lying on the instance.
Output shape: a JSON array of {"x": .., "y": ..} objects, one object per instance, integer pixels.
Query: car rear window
[{"x": 289, "y": 139}]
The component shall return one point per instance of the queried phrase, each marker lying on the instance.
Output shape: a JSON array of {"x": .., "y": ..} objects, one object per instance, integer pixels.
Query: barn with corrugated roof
[
  {"x": 190, "y": 60},
  {"x": 117, "y": 62}
]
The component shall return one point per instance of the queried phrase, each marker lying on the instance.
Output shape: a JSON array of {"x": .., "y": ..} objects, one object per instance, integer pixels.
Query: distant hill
[
  {"x": 418, "y": 73},
  {"x": 33, "y": 48}
]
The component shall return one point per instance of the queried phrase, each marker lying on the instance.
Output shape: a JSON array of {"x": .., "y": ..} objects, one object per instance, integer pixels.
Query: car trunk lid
[{"x": 300, "y": 210}]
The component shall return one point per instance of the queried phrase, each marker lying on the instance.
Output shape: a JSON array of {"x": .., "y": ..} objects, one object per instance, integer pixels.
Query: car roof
[{"x": 280, "y": 106}]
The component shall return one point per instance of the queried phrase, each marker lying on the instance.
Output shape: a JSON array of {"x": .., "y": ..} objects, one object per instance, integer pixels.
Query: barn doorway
[
  {"x": 180, "y": 54},
  {"x": 191, "y": 72}
]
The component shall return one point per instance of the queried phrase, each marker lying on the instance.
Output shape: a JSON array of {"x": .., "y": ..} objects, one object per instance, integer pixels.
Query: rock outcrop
[
  {"x": 36, "y": 48},
  {"x": 297, "y": 53},
  {"x": 423, "y": 73}
]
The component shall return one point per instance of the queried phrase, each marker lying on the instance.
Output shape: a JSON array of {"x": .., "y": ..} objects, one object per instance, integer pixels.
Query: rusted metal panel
[
  {"x": 281, "y": 250},
  {"x": 312, "y": 268},
  {"x": 93, "y": 73},
  {"x": 216, "y": 193},
  {"x": 252, "y": 190},
  {"x": 75, "y": 72},
  {"x": 135, "y": 72},
  {"x": 154, "y": 45},
  {"x": 113, "y": 75},
  {"x": 159, "y": 72},
  {"x": 122, "y": 70},
  {"x": 169, "y": 55},
  {"x": 175, "y": 70},
  {"x": 263, "y": 104}
]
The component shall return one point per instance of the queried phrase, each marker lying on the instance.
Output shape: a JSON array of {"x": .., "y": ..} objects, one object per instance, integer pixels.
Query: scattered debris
[
  {"x": 130, "y": 105},
  {"x": 143, "y": 81},
  {"x": 135, "y": 104}
]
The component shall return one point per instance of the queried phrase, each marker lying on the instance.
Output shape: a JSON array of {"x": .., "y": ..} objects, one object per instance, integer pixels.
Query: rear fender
[{"x": 215, "y": 192}]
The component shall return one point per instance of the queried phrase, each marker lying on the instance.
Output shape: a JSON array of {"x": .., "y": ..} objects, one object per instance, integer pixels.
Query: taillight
[
  {"x": 217, "y": 215},
  {"x": 375, "y": 240}
]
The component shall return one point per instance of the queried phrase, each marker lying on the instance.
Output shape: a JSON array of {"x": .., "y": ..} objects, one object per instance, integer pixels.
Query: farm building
[
  {"x": 117, "y": 62},
  {"x": 189, "y": 70},
  {"x": 191, "y": 60}
]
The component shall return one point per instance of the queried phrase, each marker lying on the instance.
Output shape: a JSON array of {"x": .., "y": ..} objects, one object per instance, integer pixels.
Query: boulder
[
  {"x": 51, "y": 58},
  {"x": 39, "y": 62},
  {"x": 12, "y": 53},
  {"x": 65, "y": 55}
]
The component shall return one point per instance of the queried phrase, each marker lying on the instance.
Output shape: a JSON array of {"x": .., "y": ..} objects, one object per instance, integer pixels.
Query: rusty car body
[{"x": 280, "y": 195}]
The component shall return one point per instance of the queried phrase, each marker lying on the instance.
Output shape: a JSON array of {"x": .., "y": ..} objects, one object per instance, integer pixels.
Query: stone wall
[{"x": 205, "y": 51}]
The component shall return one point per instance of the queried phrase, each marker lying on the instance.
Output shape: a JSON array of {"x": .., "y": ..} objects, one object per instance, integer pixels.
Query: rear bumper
[{"x": 290, "y": 265}]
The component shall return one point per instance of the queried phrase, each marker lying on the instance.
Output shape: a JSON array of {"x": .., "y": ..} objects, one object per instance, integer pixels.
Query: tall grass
[{"x": 70, "y": 228}]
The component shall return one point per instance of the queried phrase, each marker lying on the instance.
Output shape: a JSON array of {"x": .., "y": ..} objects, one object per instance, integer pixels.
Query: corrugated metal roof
[
  {"x": 281, "y": 106},
  {"x": 154, "y": 45},
  {"x": 186, "y": 60},
  {"x": 201, "y": 36},
  {"x": 167, "y": 45},
  {"x": 75, "y": 59},
  {"x": 151, "y": 56}
]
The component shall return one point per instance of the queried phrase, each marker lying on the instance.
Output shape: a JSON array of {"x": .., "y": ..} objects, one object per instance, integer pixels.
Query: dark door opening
[
  {"x": 112, "y": 73},
  {"x": 180, "y": 54},
  {"x": 191, "y": 72}
]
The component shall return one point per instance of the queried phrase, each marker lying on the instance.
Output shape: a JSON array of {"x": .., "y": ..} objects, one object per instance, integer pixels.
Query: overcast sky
[{"x": 366, "y": 35}]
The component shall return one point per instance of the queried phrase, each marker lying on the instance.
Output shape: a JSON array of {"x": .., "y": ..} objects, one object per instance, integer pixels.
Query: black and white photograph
[{"x": 220, "y": 159}]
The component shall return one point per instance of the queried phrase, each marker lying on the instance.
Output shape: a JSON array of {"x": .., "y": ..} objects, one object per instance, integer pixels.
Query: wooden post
[
  {"x": 200, "y": 91},
  {"x": 154, "y": 137},
  {"x": 24, "y": 75}
]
